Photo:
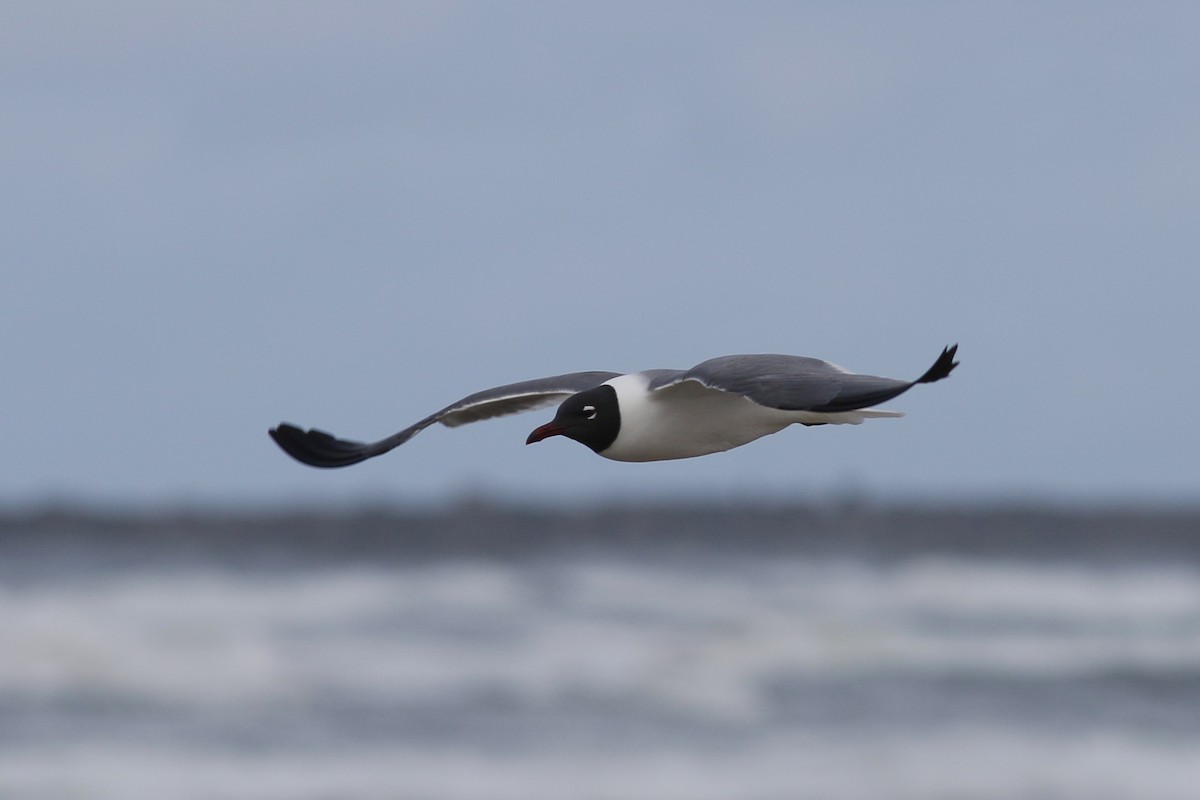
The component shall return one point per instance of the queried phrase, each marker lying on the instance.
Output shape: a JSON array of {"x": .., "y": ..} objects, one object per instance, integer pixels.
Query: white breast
[{"x": 686, "y": 420}]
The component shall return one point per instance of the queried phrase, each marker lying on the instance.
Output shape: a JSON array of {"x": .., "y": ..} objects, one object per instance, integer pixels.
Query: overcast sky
[{"x": 218, "y": 216}]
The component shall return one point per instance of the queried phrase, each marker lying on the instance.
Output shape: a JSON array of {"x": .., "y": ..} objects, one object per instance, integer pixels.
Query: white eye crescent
[{"x": 589, "y": 412}]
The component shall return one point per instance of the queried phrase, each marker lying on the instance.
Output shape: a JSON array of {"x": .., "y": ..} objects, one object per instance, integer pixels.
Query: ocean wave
[
  {"x": 940, "y": 764},
  {"x": 702, "y": 638}
]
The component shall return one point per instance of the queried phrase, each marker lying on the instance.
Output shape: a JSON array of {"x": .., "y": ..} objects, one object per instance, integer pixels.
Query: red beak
[{"x": 545, "y": 432}]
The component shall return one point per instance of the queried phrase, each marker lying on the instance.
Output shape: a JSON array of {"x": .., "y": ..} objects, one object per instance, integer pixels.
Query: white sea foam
[
  {"x": 957, "y": 762},
  {"x": 658, "y": 655},
  {"x": 697, "y": 639}
]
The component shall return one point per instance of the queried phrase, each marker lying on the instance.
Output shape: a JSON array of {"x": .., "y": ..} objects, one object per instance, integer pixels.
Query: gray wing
[
  {"x": 319, "y": 449},
  {"x": 799, "y": 383}
]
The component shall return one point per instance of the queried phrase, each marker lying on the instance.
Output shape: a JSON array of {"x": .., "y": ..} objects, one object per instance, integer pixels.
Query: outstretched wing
[
  {"x": 319, "y": 449},
  {"x": 799, "y": 383}
]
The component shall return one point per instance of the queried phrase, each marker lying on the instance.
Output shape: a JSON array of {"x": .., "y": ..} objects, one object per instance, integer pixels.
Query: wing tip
[
  {"x": 317, "y": 448},
  {"x": 941, "y": 368}
]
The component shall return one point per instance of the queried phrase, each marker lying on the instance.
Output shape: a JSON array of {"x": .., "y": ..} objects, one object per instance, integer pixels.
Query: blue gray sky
[{"x": 218, "y": 216}]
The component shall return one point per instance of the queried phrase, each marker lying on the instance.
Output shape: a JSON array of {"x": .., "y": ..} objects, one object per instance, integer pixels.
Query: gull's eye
[{"x": 589, "y": 412}]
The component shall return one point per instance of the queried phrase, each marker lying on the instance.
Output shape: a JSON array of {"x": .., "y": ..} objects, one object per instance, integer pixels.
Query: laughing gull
[{"x": 658, "y": 414}]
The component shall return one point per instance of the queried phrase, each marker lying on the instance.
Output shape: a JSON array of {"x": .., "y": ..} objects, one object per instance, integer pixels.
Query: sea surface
[{"x": 601, "y": 654}]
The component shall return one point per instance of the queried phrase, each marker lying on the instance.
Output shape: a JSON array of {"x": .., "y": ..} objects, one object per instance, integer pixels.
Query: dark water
[{"x": 638, "y": 653}]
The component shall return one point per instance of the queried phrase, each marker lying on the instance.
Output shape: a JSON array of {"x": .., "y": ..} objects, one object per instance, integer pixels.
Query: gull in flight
[{"x": 657, "y": 414}]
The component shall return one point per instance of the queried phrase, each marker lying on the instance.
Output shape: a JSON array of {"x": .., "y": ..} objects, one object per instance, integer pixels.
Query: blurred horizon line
[{"x": 479, "y": 501}]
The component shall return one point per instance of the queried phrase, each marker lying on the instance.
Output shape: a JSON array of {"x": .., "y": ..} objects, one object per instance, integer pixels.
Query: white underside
[{"x": 688, "y": 420}]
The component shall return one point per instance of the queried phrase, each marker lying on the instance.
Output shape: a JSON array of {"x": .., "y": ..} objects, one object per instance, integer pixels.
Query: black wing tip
[
  {"x": 317, "y": 448},
  {"x": 941, "y": 368}
]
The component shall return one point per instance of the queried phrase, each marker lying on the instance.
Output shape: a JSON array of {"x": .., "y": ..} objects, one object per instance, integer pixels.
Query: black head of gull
[
  {"x": 591, "y": 417},
  {"x": 657, "y": 414}
]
